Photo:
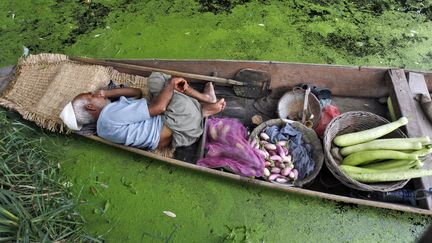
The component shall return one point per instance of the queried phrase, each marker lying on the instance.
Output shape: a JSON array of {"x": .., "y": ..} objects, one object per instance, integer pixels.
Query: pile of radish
[
  {"x": 279, "y": 166},
  {"x": 369, "y": 159}
]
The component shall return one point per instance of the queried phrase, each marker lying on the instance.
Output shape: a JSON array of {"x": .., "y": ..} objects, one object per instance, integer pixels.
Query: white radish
[
  {"x": 273, "y": 177},
  {"x": 282, "y": 143},
  {"x": 286, "y": 159},
  {"x": 286, "y": 171},
  {"x": 270, "y": 146},
  {"x": 276, "y": 158},
  {"x": 253, "y": 142},
  {"x": 281, "y": 180},
  {"x": 280, "y": 150},
  {"x": 264, "y": 136},
  {"x": 291, "y": 175},
  {"x": 266, "y": 172},
  {"x": 295, "y": 174},
  {"x": 262, "y": 153},
  {"x": 275, "y": 170}
]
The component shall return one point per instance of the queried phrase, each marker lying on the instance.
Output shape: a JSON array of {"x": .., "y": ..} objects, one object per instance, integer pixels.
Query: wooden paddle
[{"x": 246, "y": 84}]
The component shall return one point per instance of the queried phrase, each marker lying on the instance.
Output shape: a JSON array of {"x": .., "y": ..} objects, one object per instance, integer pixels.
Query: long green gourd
[
  {"x": 389, "y": 176},
  {"x": 370, "y": 134},
  {"x": 388, "y": 164},
  {"x": 361, "y": 170},
  {"x": 366, "y": 157},
  {"x": 390, "y": 144},
  {"x": 422, "y": 152}
]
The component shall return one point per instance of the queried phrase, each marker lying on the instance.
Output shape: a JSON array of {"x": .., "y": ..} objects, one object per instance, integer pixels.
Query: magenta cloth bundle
[{"x": 228, "y": 147}]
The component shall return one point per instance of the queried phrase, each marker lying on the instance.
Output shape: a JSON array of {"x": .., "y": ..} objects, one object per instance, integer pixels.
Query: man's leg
[
  {"x": 207, "y": 96},
  {"x": 213, "y": 109},
  {"x": 157, "y": 81}
]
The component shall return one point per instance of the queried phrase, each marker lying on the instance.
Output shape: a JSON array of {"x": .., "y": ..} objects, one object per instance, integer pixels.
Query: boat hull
[{"x": 353, "y": 87}]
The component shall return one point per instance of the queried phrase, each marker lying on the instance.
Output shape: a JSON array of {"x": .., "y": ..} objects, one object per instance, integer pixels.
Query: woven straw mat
[{"x": 45, "y": 83}]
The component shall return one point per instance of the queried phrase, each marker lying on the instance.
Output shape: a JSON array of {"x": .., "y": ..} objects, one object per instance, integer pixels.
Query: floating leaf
[
  {"x": 169, "y": 214},
  {"x": 106, "y": 207}
]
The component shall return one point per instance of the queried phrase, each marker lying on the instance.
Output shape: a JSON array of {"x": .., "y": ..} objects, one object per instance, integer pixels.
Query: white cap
[{"x": 69, "y": 118}]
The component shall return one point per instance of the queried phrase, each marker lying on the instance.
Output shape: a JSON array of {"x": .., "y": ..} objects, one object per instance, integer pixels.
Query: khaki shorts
[{"x": 183, "y": 114}]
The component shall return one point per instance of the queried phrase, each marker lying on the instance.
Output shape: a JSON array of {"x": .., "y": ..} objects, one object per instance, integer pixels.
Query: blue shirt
[{"x": 128, "y": 122}]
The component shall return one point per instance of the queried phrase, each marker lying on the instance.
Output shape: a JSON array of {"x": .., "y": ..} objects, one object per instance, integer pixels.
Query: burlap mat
[{"x": 45, "y": 83}]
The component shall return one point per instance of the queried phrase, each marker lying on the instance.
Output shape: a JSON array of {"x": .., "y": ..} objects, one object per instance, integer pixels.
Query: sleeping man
[{"x": 173, "y": 117}]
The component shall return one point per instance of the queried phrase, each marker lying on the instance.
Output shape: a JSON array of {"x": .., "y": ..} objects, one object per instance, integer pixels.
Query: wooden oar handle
[
  {"x": 305, "y": 105},
  {"x": 217, "y": 80}
]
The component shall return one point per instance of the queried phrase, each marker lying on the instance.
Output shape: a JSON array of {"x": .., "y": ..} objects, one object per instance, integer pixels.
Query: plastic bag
[
  {"x": 328, "y": 113},
  {"x": 228, "y": 147}
]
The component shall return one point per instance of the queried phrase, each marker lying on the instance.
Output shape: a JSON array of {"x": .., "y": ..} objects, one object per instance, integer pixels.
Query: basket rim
[
  {"x": 319, "y": 158},
  {"x": 332, "y": 164},
  {"x": 317, "y": 117}
]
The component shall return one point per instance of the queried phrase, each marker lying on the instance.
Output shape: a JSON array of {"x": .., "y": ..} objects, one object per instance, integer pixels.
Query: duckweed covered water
[
  {"x": 212, "y": 209},
  {"x": 127, "y": 194}
]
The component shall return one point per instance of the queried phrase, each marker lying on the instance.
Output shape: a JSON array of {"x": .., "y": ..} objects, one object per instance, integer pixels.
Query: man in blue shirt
[{"x": 174, "y": 117}]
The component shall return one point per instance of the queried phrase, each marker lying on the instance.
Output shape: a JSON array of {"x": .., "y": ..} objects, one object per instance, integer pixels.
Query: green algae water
[
  {"x": 125, "y": 195},
  {"x": 210, "y": 209}
]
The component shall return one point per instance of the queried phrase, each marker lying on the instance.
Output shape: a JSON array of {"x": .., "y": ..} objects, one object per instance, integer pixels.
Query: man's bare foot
[
  {"x": 209, "y": 93},
  {"x": 213, "y": 109}
]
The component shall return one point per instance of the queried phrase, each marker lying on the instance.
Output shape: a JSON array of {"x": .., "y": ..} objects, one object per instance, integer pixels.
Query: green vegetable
[
  {"x": 366, "y": 157},
  {"x": 354, "y": 169},
  {"x": 391, "y": 110},
  {"x": 361, "y": 170},
  {"x": 425, "y": 140},
  {"x": 418, "y": 164},
  {"x": 390, "y": 144},
  {"x": 422, "y": 152},
  {"x": 389, "y": 164},
  {"x": 389, "y": 176},
  {"x": 368, "y": 135}
]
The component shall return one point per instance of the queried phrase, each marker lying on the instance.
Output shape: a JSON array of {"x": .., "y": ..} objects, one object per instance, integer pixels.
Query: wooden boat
[{"x": 353, "y": 88}]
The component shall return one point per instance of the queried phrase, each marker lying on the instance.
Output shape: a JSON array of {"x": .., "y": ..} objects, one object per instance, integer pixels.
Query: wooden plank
[
  {"x": 417, "y": 84},
  {"x": 342, "y": 80},
  {"x": 428, "y": 78},
  {"x": 356, "y": 81},
  {"x": 404, "y": 105},
  {"x": 202, "y": 141},
  {"x": 265, "y": 184}
]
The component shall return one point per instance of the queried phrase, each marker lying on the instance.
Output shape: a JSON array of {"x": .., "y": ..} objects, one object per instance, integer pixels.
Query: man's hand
[
  {"x": 179, "y": 84},
  {"x": 100, "y": 93}
]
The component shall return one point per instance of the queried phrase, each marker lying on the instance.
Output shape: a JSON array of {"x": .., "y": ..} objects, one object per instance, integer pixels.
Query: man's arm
[
  {"x": 115, "y": 93},
  {"x": 160, "y": 103}
]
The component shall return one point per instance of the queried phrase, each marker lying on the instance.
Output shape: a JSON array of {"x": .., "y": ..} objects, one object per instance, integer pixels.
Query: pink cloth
[{"x": 228, "y": 147}]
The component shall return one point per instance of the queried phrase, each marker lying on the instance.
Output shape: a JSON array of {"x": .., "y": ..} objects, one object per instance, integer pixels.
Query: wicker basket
[
  {"x": 309, "y": 136},
  {"x": 353, "y": 122}
]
